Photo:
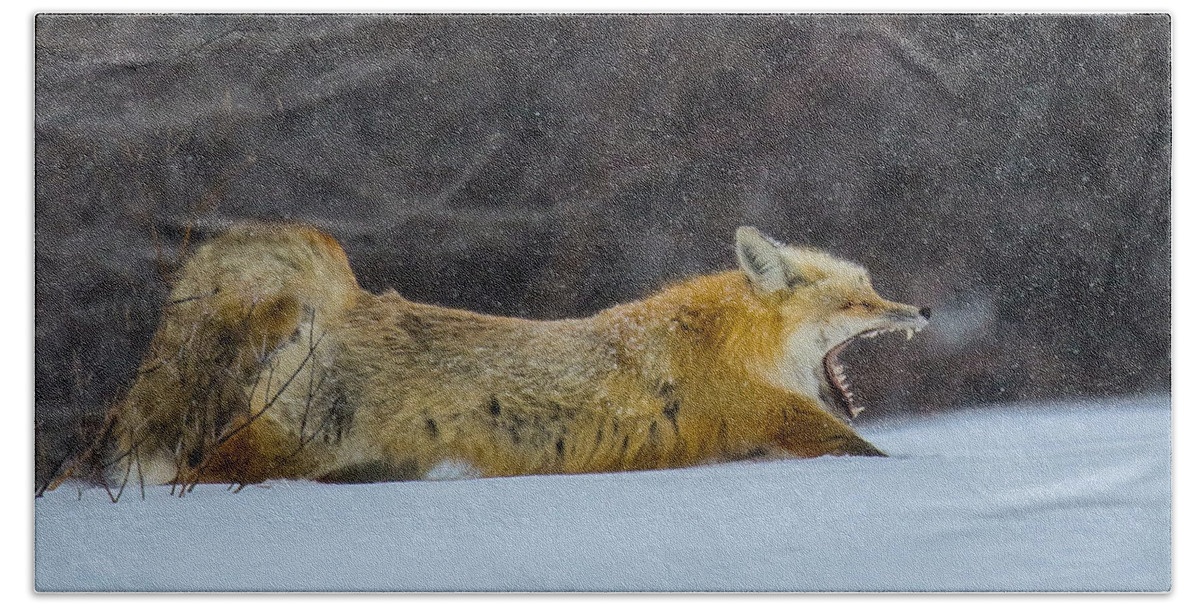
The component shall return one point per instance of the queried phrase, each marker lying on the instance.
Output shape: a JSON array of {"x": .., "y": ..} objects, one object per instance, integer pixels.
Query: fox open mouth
[{"x": 835, "y": 372}]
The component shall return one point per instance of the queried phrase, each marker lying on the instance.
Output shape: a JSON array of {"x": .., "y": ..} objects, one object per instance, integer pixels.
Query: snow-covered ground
[{"x": 1057, "y": 497}]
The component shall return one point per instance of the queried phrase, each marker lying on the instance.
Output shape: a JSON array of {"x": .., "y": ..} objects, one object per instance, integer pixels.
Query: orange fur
[{"x": 269, "y": 361}]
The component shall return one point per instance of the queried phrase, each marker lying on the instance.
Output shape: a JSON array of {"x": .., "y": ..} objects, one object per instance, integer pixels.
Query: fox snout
[
  {"x": 910, "y": 314},
  {"x": 907, "y": 318}
]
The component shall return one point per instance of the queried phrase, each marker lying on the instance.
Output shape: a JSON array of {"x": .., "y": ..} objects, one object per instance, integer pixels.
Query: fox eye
[{"x": 851, "y": 304}]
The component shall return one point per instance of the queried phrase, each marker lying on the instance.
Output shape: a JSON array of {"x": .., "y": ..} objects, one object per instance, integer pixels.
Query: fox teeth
[{"x": 910, "y": 333}]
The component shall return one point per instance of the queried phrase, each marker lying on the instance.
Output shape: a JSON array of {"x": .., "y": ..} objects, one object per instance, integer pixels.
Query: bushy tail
[{"x": 238, "y": 299}]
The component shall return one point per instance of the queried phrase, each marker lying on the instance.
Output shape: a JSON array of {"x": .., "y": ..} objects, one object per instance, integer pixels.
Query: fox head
[{"x": 824, "y": 303}]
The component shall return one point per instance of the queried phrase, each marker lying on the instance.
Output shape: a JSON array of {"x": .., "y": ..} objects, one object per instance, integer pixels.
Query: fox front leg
[{"x": 809, "y": 432}]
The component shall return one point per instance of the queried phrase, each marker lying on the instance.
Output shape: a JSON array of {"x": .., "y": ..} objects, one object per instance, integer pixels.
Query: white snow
[{"x": 1056, "y": 497}]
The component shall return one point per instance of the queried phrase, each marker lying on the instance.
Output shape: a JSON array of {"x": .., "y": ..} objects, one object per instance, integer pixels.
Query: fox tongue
[{"x": 835, "y": 374}]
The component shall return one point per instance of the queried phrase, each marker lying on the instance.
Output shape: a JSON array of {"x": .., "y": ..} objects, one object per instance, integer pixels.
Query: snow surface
[{"x": 1057, "y": 497}]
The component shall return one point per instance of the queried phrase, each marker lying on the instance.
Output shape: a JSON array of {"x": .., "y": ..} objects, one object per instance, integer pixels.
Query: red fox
[{"x": 270, "y": 362}]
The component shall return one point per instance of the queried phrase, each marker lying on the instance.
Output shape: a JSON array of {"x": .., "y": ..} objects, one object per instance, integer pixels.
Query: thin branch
[
  {"x": 254, "y": 417},
  {"x": 177, "y": 356},
  {"x": 312, "y": 324},
  {"x": 279, "y": 462},
  {"x": 137, "y": 455},
  {"x": 121, "y": 489},
  {"x": 214, "y": 292}
]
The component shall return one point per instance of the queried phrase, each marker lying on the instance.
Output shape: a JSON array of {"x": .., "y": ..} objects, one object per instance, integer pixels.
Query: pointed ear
[{"x": 761, "y": 259}]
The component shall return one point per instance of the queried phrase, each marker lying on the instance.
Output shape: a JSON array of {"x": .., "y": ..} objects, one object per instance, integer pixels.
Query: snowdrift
[{"x": 1045, "y": 497}]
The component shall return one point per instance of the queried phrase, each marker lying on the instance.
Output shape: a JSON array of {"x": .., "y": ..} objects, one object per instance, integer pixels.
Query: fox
[{"x": 270, "y": 362}]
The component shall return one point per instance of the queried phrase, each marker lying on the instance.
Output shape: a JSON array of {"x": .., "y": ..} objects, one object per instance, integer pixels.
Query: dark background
[{"x": 1012, "y": 172}]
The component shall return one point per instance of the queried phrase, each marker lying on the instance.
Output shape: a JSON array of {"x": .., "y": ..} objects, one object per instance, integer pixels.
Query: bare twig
[
  {"x": 214, "y": 448},
  {"x": 214, "y": 292}
]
